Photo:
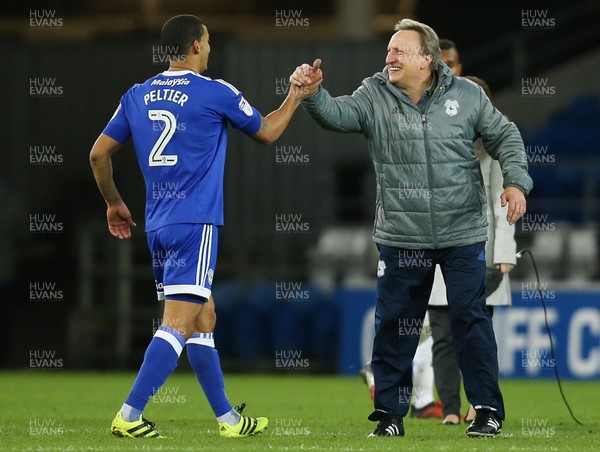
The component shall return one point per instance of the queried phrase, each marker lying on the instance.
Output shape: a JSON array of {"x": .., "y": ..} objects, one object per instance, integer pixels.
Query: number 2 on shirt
[{"x": 156, "y": 158}]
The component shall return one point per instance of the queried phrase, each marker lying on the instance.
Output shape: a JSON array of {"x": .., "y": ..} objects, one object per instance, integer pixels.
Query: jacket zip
[
  {"x": 382, "y": 197},
  {"x": 429, "y": 177}
]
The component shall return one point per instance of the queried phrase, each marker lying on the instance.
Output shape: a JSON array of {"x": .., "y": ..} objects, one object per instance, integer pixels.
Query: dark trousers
[
  {"x": 446, "y": 373},
  {"x": 403, "y": 290},
  {"x": 444, "y": 362}
]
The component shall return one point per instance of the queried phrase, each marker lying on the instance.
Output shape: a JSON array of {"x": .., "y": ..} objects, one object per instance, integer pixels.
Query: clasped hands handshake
[{"x": 305, "y": 80}]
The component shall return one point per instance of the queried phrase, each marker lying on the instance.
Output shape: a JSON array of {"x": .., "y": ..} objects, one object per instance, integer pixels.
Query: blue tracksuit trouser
[{"x": 404, "y": 282}]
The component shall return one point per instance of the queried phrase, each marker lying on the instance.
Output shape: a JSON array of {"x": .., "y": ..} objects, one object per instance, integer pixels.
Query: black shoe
[
  {"x": 486, "y": 423},
  {"x": 388, "y": 425}
]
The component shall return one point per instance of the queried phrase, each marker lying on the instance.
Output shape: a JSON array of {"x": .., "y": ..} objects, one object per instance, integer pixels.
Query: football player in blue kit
[{"x": 178, "y": 121}]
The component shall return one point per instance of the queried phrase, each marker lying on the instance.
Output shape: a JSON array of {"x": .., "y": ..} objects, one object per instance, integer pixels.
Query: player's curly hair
[{"x": 179, "y": 33}]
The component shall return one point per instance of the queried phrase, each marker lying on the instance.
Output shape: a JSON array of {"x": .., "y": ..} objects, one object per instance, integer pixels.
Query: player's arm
[
  {"x": 273, "y": 125},
  {"x": 117, "y": 213}
]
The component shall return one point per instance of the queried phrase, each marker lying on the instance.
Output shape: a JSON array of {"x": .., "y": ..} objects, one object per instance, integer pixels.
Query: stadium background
[{"x": 296, "y": 264}]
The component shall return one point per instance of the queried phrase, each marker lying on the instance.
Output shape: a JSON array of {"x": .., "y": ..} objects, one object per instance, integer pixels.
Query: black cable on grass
[{"x": 537, "y": 277}]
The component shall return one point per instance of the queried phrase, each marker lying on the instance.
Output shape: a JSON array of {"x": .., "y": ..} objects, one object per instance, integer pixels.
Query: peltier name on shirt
[
  {"x": 167, "y": 94},
  {"x": 171, "y": 95}
]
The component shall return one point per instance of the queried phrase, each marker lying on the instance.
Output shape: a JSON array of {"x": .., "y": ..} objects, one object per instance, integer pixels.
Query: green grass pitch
[{"x": 69, "y": 411}]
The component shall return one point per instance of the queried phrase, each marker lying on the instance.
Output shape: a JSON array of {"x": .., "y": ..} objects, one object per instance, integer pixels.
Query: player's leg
[
  {"x": 403, "y": 288},
  {"x": 464, "y": 273},
  {"x": 445, "y": 365},
  {"x": 204, "y": 359},
  {"x": 422, "y": 371},
  {"x": 162, "y": 354},
  {"x": 201, "y": 351},
  {"x": 366, "y": 373},
  {"x": 423, "y": 402}
]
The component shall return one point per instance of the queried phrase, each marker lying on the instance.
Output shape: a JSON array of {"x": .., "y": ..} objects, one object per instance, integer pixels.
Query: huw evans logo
[
  {"x": 413, "y": 259},
  {"x": 290, "y": 360},
  {"x": 539, "y": 155},
  {"x": 413, "y": 327},
  {"x": 537, "y": 19},
  {"x": 167, "y": 190},
  {"x": 44, "y": 359},
  {"x": 537, "y": 223},
  {"x": 45, "y": 426},
  {"x": 44, "y": 156},
  {"x": 290, "y": 291},
  {"x": 405, "y": 394},
  {"x": 167, "y": 258},
  {"x": 535, "y": 291},
  {"x": 537, "y": 87},
  {"x": 537, "y": 359},
  {"x": 168, "y": 394},
  {"x": 166, "y": 54},
  {"x": 414, "y": 190},
  {"x": 44, "y": 87},
  {"x": 291, "y": 155},
  {"x": 44, "y": 19},
  {"x": 290, "y": 427},
  {"x": 288, "y": 223},
  {"x": 40, "y": 223},
  {"x": 290, "y": 19},
  {"x": 44, "y": 291},
  {"x": 537, "y": 428}
]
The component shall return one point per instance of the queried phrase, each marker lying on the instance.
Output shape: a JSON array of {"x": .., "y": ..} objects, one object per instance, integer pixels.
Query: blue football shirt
[{"x": 178, "y": 122}]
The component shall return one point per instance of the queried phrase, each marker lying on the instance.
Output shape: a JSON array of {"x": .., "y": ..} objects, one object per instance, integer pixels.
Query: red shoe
[
  {"x": 433, "y": 410},
  {"x": 367, "y": 375}
]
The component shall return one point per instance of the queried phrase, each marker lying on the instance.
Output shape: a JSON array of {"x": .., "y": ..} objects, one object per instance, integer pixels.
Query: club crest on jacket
[{"x": 451, "y": 107}]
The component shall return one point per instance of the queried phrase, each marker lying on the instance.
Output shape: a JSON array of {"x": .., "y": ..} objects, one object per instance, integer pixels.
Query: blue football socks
[
  {"x": 160, "y": 360},
  {"x": 204, "y": 359}
]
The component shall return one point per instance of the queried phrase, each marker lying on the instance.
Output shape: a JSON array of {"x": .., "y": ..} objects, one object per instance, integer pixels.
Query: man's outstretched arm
[
  {"x": 273, "y": 125},
  {"x": 345, "y": 114}
]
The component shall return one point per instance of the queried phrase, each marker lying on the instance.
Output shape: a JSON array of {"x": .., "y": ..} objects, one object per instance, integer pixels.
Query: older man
[{"x": 421, "y": 122}]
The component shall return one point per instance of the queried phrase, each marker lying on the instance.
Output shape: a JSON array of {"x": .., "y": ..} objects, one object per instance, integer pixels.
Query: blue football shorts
[{"x": 184, "y": 257}]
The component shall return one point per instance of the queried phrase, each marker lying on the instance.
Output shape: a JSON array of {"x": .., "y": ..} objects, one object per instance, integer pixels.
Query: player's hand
[
  {"x": 306, "y": 75},
  {"x": 517, "y": 206},
  {"x": 505, "y": 268},
  {"x": 119, "y": 220},
  {"x": 299, "y": 93}
]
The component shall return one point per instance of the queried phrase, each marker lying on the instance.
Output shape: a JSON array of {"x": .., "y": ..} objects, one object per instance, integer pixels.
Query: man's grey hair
[{"x": 430, "y": 43}]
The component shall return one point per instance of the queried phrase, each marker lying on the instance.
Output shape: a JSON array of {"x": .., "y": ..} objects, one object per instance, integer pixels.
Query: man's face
[
  {"x": 405, "y": 60},
  {"x": 204, "y": 50},
  {"x": 450, "y": 57}
]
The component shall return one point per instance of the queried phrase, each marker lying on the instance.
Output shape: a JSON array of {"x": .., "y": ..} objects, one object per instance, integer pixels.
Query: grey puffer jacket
[{"x": 430, "y": 192}]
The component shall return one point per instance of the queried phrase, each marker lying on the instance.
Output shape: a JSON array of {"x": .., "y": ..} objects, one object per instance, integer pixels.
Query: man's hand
[
  {"x": 517, "y": 206},
  {"x": 505, "y": 268},
  {"x": 119, "y": 220},
  {"x": 307, "y": 77},
  {"x": 299, "y": 93}
]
